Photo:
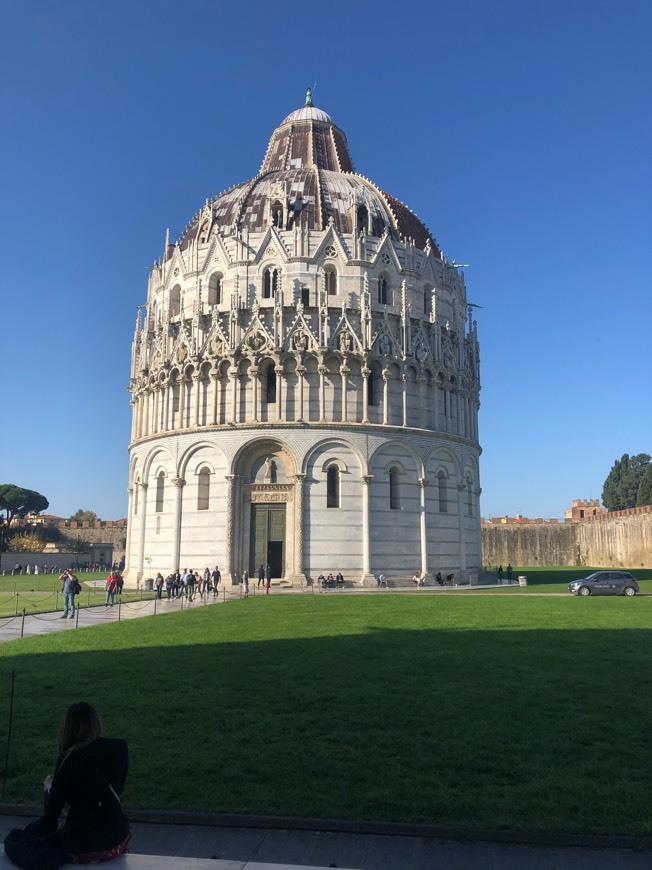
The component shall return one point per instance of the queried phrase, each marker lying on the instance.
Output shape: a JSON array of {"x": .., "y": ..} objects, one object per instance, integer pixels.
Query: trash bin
[
  {"x": 149, "y": 584},
  {"x": 522, "y": 581}
]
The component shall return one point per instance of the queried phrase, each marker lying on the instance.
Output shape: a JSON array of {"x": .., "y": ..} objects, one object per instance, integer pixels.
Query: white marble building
[{"x": 305, "y": 382}]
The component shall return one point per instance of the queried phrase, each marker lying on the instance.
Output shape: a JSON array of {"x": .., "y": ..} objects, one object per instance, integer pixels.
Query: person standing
[
  {"x": 190, "y": 584},
  {"x": 245, "y": 583},
  {"x": 159, "y": 585},
  {"x": 509, "y": 572},
  {"x": 500, "y": 573},
  {"x": 69, "y": 586},
  {"x": 215, "y": 579},
  {"x": 111, "y": 584},
  {"x": 261, "y": 576}
]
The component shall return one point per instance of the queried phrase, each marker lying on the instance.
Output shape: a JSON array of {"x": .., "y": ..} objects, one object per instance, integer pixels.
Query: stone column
[
  {"x": 322, "y": 392},
  {"x": 365, "y": 394},
  {"x": 460, "y": 530},
  {"x": 404, "y": 396},
  {"x": 367, "y": 578},
  {"x": 130, "y": 522},
  {"x": 281, "y": 391},
  {"x": 228, "y": 543},
  {"x": 385, "y": 396},
  {"x": 134, "y": 406},
  {"x": 423, "y": 402},
  {"x": 344, "y": 371},
  {"x": 216, "y": 385},
  {"x": 166, "y": 407},
  {"x": 423, "y": 532},
  {"x": 233, "y": 374},
  {"x": 301, "y": 372},
  {"x": 179, "y": 483},
  {"x": 196, "y": 386},
  {"x": 141, "y": 542},
  {"x": 255, "y": 375},
  {"x": 298, "y": 574}
]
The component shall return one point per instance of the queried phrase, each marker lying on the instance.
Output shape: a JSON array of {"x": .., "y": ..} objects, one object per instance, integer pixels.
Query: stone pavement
[{"x": 255, "y": 841}]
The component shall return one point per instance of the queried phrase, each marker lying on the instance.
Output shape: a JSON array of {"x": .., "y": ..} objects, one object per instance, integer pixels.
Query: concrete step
[{"x": 175, "y": 862}]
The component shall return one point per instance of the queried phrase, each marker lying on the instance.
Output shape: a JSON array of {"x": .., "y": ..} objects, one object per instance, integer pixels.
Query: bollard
[
  {"x": 181, "y": 597},
  {"x": 89, "y": 598},
  {"x": 119, "y": 608},
  {"x": 155, "y": 607},
  {"x": 22, "y": 624},
  {"x": 224, "y": 593},
  {"x": 16, "y": 604},
  {"x": 77, "y": 617},
  {"x": 56, "y": 602}
]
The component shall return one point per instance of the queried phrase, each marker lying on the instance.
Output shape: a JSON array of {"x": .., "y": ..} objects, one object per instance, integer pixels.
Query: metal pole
[
  {"x": 16, "y": 604},
  {"x": 11, "y": 716},
  {"x": 22, "y": 624},
  {"x": 119, "y": 607},
  {"x": 77, "y": 617},
  {"x": 154, "y": 606}
]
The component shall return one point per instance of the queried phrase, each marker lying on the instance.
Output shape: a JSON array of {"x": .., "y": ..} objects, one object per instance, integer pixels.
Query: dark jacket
[{"x": 95, "y": 819}]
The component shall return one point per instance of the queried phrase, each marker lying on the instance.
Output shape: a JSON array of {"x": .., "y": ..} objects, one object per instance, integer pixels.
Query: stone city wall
[{"x": 622, "y": 539}]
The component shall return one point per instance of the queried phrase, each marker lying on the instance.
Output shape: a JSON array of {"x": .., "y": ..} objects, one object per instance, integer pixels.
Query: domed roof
[{"x": 307, "y": 176}]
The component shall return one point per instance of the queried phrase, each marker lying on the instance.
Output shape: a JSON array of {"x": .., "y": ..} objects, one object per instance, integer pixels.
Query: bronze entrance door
[{"x": 267, "y": 539}]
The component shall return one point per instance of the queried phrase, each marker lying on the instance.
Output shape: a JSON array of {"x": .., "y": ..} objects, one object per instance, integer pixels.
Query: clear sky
[{"x": 518, "y": 130}]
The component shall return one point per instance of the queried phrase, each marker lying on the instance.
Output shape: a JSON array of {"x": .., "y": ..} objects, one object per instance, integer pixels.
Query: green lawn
[
  {"x": 40, "y": 593},
  {"x": 517, "y": 712},
  {"x": 557, "y": 579}
]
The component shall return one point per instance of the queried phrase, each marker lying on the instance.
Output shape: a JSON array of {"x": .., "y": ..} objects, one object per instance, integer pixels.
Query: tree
[
  {"x": 644, "y": 494},
  {"x": 16, "y": 501},
  {"x": 84, "y": 516},
  {"x": 620, "y": 489}
]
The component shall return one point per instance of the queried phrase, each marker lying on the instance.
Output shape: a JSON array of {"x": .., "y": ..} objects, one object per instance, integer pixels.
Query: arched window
[
  {"x": 305, "y": 295},
  {"x": 330, "y": 280},
  {"x": 175, "y": 301},
  {"x": 394, "y": 489},
  {"x": 160, "y": 491},
  {"x": 443, "y": 501},
  {"x": 270, "y": 384},
  {"x": 277, "y": 215},
  {"x": 215, "y": 289},
  {"x": 362, "y": 219},
  {"x": 333, "y": 487},
  {"x": 383, "y": 295},
  {"x": 427, "y": 299},
  {"x": 371, "y": 389},
  {"x": 203, "y": 489},
  {"x": 270, "y": 282}
]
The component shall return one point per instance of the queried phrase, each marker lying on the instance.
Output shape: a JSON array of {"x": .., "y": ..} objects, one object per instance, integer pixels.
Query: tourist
[
  {"x": 245, "y": 584},
  {"x": 169, "y": 585},
  {"x": 439, "y": 578},
  {"x": 500, "y": 573},
  {"x": 261, "y": 576},
  {"x": 69, "y": 587},
  {"x": 215, "y": 579},
  {"x": 206, "y": 580},
  {"x": 509, "y": 573},
  {"x": 89, "y": 775},
  {"x": 158, "y": 583},
  {"x": 111, "y": 585},
  {"x": 190, "y": 584},
  {"x": 119, "y": 582},
  {"x": 339, "y": 579}
]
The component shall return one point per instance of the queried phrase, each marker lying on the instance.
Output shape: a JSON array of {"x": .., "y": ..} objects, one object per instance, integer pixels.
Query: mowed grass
[
  {"x": 556, "y": 580},
  {"x": 516, "y": 712},
  {"x": 41, "y": 593}
]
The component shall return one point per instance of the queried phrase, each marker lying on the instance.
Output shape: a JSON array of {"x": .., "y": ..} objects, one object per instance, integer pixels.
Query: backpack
[{"x": 77, "y": 588}]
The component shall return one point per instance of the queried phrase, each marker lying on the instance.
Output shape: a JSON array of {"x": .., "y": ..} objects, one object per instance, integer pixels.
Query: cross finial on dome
[{"x": 309, "y": 97}]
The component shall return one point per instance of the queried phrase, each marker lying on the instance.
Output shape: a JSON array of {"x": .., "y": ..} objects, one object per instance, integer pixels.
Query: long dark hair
[{"x": 81, "y": 725}]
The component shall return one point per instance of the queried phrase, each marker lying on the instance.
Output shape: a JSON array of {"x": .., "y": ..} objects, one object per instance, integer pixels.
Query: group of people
[
  {"x": 188, "y": 583},
  {"x": 113, "y": 586},
  {"x": 501, "y": 573},
  {"x": 330, "y": 581},
  {"x": 264, "y": 580}
]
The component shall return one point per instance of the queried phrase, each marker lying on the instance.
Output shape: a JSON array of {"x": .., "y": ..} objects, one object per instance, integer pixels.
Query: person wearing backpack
[
  {"x": 111, "y": 584},
  {"x": 69, "y": 586}
]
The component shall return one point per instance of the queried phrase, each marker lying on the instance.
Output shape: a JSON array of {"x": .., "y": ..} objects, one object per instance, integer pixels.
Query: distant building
[
  {"x": 582, "y": 509},
  {"x": 305, "y": 384}
]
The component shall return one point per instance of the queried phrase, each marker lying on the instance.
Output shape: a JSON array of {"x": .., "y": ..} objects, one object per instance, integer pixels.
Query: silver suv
[{"x": 605, "y": 583}]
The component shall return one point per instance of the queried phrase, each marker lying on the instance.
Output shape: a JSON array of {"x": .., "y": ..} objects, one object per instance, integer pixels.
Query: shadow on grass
[{"x": 529, "y": 729}]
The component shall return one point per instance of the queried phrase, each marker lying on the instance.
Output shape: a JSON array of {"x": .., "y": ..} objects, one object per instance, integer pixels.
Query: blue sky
[{"x": 520, "y": 132}]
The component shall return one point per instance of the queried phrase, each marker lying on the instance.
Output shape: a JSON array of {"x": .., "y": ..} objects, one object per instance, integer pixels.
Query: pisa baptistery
[{"x": 305, "y": 382}]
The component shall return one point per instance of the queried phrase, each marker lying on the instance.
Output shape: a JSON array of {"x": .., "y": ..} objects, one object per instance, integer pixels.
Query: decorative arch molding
[
  {"x": 158, "y": 452},
  {"x": 334, "y": 442},
  {"x": 188, "y": 455},
  {"x": 331, "y": 461},
  {"x": 398, "y": 447},
  {"x": 394, "y": 465},
  {"x": 442, "y": 455},
  {"x": 257, "y": 447}
]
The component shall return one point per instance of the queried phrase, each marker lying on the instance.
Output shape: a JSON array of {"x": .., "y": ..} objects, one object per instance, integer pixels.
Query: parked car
[{"x": 605, "y": 583}]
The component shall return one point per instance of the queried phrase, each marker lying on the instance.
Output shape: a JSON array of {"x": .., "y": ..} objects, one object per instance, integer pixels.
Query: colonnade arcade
[
  {"x": 333, "y": 508},
  {"x": 297, "y": 388}
]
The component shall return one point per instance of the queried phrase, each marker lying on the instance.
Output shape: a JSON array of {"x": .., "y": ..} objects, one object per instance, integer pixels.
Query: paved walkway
[{"x": 368, "y": 847}]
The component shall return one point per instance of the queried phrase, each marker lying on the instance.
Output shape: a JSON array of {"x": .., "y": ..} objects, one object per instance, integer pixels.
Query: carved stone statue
[{"x": 269, "y": 470}]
